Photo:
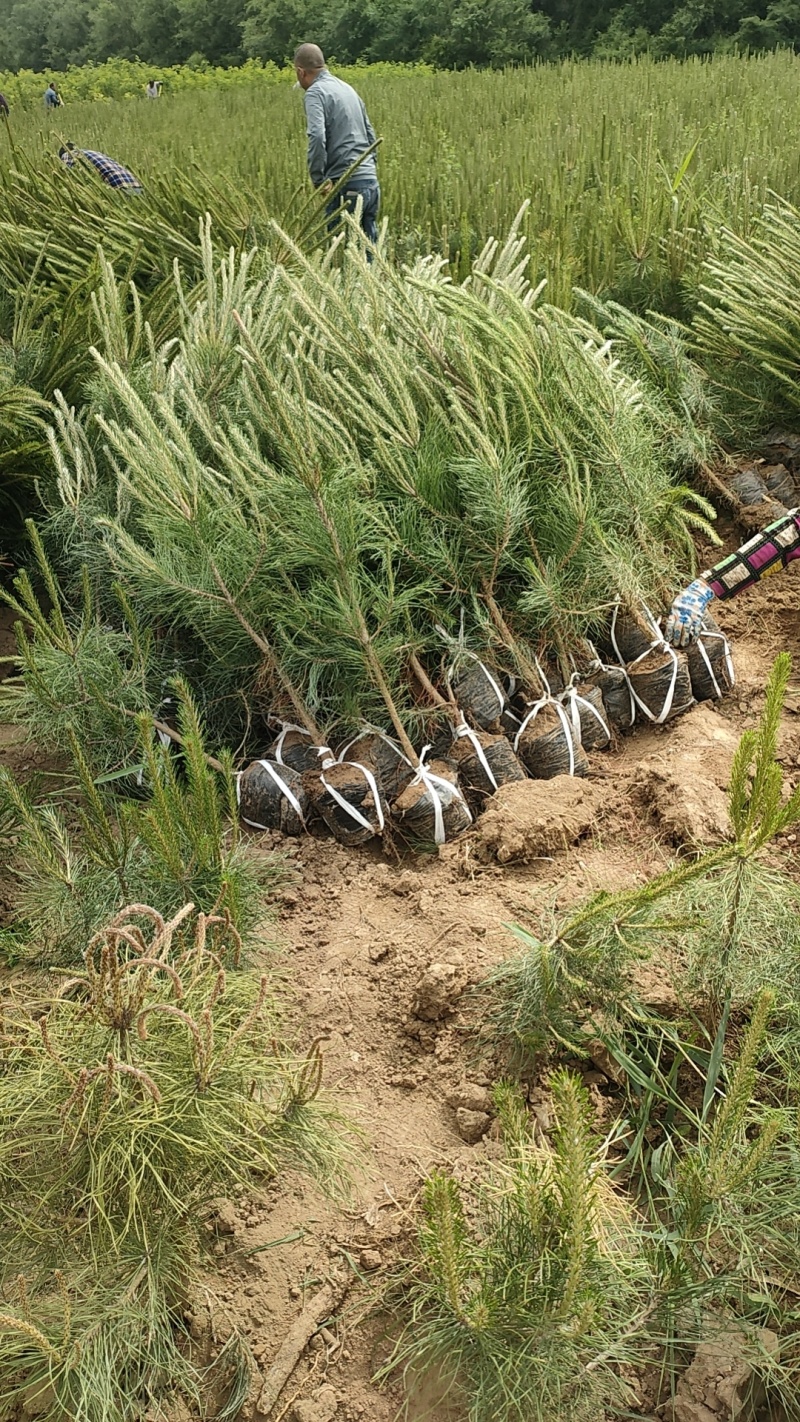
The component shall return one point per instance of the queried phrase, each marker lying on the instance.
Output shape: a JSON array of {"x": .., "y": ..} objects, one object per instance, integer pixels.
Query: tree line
[{"x": 52, "y": 34}]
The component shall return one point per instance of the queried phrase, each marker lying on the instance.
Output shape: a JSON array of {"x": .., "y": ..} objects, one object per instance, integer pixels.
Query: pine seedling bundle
[{"x": 343, "y": 474}]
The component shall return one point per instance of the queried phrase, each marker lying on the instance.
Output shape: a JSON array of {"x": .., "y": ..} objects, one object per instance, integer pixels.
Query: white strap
[
  {"x": 496, "y": 688},
  {"x": 567, "y": 735},
  {"x": 498, "y": 691},
  {"x": 667, "y": 707},
  {"x": 574, "y": 697},
  {"x": 465, "y": 730},
  {"x": 720, "y": 637},
  {"x": 562, "y": 715},
  {"x": 345, "y": 804},
  {"x": 704, "y": 654},
  {"x": 531, "y": 716},
  {"x": 450, "y": 792},
  {"x": 373, "y": 731},
  {"x": 282, "y": 786},
  {"x": 287, "y": 726},
  {"x": 657, "y": 643}
]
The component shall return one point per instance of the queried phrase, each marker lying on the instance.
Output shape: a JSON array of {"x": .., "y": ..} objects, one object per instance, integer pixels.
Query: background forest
[{"x": 41, "y": 34}]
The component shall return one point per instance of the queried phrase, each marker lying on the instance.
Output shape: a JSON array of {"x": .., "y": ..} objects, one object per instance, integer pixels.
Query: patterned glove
[{"x": 687, "y": 613}]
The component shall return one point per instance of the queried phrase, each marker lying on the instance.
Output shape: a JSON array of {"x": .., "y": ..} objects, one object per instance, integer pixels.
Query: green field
[{"x": 629, "y": 169}]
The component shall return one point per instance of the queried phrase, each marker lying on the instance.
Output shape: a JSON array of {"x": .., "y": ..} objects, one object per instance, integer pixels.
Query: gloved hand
[{"x": 687, "y": 613}]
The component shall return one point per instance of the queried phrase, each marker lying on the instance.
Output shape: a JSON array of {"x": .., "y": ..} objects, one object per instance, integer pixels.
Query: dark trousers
[{"x": 345, "y": 201}]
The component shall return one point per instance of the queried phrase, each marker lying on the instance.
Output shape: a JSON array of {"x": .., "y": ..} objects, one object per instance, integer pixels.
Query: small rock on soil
[
  {"x": 439, "y": 989},
  {"x": 321, "y": 1408},
  {"x": 472, "y": 1125},
  {"x": 720, "y": 1384}
]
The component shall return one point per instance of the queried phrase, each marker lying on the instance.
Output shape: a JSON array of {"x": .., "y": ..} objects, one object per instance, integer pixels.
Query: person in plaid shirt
[
  {"x": 778, "y": 545},
  {"x": 110, "y": 171}
]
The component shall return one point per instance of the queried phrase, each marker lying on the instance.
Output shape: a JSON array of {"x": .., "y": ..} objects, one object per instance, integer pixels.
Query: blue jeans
[{"x": 345, "y": 201}]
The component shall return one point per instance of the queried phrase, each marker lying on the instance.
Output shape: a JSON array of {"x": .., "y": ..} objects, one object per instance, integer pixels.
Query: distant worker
[
  {"x": 52, "y": 98},
  {"x": 153, "y": 90},
  {"x": 110, "y": 171},
  {"x": 776, "y": 546},
  {"x": 4, "y": 109},
  {"x": 338, "y": 133}
]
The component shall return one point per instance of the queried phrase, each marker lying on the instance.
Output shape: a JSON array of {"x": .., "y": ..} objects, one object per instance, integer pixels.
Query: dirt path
[{"x": 379, "y": 956}]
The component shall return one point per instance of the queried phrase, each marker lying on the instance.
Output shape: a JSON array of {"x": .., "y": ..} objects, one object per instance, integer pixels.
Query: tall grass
[{"x": 630, "y": 169}]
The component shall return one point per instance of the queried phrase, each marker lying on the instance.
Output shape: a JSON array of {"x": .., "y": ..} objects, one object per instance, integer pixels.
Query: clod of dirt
[
  {"x": 470, "y": 1098},
  {"x": 683, "y": 781},
  {"x": 370, "y": 1260},
  {"x": 406, "y": 883},
  {"x": 321, "y": 1408},
  {"x": 225, "y": 1218},
  {"x": 599, "y": 1054},
  {"x": 531, "y": 818},
  {"x": 439, "y": 989},
  {"x": 472, "y": 1125},
  {"x": 177, "y": 1410},
  {"x": 37, "y": 1399},
  {"x": 720, "y": 1382}
]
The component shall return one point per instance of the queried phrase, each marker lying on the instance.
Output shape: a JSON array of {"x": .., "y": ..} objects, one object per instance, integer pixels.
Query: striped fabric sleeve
[{"x": 773, "y": 548}]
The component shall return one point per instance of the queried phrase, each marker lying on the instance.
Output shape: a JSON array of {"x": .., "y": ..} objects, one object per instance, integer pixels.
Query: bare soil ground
[{"x": 380, "y": 957}]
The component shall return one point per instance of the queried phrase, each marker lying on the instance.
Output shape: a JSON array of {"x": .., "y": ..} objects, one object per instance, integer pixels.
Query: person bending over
[
  {"x": 109, "y": 169},
  {"x": 339, "y": 132},
  {"x": 776, "y": 546}
]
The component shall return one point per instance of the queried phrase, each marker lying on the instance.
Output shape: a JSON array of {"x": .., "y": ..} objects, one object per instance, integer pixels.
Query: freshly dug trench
[
  {"x": 612, "y": 683},
  {"x": 295, "y": 747},
  {"x": 548, "y": 745},
  {"x": 272, "y": 797},
  {"x": 433, "y": 808},
  {"x": 347, "y": 798},
  {"x": 484, "y": 770},
  {"x": 480, "y": 696},
  {"x": 710, "y": 664},
  {"x": 587, "y": 713},
  {"x": 384, "y": 758},
  {"x": 660, "y": 682}
]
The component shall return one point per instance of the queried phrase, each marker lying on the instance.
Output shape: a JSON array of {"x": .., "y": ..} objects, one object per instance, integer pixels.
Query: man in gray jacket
[{"x": 339, "y": 132}]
